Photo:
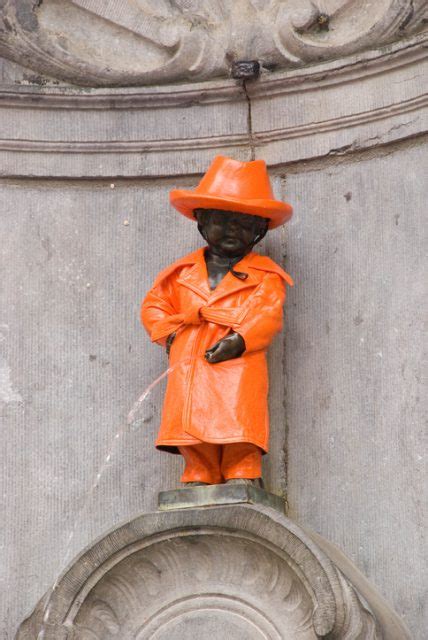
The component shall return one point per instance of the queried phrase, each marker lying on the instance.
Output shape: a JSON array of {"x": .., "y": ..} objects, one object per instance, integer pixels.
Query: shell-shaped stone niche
[
  {"x": 199, "y": 586},
  {"x": 241, "y": 572}
]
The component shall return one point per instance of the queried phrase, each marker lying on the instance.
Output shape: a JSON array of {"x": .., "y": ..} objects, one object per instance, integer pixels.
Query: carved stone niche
[{"x": 236, "y": 572}]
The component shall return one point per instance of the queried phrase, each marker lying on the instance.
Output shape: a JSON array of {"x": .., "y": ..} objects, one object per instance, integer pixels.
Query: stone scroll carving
[
  {"x": 235, "y": 571},
  {"x": 138, "y": 42},
  {"x": 309, "y": 31}
]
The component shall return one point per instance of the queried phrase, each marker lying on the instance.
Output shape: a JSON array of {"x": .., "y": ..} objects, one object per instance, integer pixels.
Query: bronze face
[{"x": 230, "y": 234}]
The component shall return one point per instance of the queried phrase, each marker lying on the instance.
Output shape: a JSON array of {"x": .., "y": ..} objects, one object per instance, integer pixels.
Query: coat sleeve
[
  {"x": 157, "y": 306},
  {"x": 264, "y": 316}
]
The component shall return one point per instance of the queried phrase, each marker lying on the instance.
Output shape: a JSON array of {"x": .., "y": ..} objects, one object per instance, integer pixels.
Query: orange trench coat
[{"x": 227, "y": 401}]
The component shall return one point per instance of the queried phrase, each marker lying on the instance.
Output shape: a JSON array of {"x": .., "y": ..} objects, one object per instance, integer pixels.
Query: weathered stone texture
[
  {"x": 123, "y": 42},
  {"x": 354, "y": 344},
  {"x": 325, "y": 110}
]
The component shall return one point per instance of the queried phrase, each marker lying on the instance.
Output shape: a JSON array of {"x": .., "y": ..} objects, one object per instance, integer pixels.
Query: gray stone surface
[
  {"x": 209, "y": 572},
  {"x": 354, "y": 362}
]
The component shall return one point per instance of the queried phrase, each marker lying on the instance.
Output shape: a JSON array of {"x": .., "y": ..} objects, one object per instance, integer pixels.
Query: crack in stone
[{"x": 251, "y": 141}]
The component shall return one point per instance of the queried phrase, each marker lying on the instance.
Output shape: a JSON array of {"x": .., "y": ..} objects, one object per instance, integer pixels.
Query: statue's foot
[
  {"x": 195, "y": 484},
  {"x": 255, "y": 482}
]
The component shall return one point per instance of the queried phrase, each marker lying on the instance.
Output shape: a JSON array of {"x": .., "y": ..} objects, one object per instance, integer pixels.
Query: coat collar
[
  {"x": 230, "y": 284},
  {"x": 196, "y": 277}
]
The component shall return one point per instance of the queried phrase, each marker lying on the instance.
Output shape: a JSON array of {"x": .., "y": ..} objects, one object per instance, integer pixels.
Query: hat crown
[
  {"x": 231, "y": 185},
  {"x": 235, "y": 179}
]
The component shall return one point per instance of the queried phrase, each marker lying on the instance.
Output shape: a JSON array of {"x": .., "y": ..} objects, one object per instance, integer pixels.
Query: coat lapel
[{"x": 196, "y": 278}]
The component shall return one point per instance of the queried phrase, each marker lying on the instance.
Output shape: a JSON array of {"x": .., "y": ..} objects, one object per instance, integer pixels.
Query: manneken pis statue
[{"x": 216, "y": 310}]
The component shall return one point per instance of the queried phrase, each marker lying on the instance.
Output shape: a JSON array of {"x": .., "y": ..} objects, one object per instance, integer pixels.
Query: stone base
[{"x": 218, "y": 494}]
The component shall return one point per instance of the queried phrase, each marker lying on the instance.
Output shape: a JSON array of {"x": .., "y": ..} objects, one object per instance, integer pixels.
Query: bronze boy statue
[{"x": 216, "y": 311}]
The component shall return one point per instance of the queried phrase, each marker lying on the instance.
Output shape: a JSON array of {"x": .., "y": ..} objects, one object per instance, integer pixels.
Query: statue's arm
[
  {"x": 264, "y": 316},
  {"x": 263, "y": 319},
  {"x": 156, "y": 307}
]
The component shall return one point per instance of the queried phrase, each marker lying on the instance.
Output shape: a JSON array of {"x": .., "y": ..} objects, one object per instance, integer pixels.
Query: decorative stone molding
[
  {"x": 247, "y": 570},
  {"x": 129, "y": 42},
  {"x": 331, "y": 108}
]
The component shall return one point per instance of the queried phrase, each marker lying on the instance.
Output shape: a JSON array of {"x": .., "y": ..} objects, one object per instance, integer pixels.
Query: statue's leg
[
  {"x": 202, "y": 463},
  {"x": 241, "y": 460}
]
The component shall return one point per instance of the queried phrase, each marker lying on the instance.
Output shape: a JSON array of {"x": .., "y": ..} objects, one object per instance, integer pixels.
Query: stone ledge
[
  {"x": 218, "y": 494},
  {"x": 367, "y": 100}
]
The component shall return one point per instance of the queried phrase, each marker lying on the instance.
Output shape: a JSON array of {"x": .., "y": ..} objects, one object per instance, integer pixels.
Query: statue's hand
[
  {"x": 232, "y": 346},
  {"x": 169, "y": 341}
]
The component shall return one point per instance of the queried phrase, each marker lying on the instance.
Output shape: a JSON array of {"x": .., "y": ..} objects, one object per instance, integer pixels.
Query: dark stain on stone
[
  {"x": 323, "y": 22},
  {"x": 408, "y": 17},
  {"x": 325, "y": 401},
  {"x": 36, "y": 79},
  {"x": 270, "y": 66},
  {"x": 45, "y": 241},
  {"x": 396, "y": 219},
  {"x": 47, "y": 246},
  {"x": 103, "y": 362},
  {"x": 8, "y": 26},
  {"x": 348, "y": 196},
  {"x": 358, "y": 319},
  {"x": 26, "y": 16}
]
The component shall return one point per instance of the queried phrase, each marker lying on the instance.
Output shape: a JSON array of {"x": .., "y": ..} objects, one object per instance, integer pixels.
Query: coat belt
[{"x": 195, "y": 316}]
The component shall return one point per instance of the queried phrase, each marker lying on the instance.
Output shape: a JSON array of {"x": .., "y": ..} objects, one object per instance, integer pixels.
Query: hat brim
[{"x": 187, "y": 201}]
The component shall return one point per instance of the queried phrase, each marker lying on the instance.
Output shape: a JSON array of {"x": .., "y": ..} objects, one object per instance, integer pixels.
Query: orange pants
[{"x": 215, "y": 463}]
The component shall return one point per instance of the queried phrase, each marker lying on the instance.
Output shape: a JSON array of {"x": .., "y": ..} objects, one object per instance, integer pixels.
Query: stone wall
[
  {"x": 85, "y": 226},
  {"x": 354, "y": 370}
]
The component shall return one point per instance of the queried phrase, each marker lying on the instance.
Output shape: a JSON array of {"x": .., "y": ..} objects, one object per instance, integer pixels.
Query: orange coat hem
[{"x": 182, "y": 443}]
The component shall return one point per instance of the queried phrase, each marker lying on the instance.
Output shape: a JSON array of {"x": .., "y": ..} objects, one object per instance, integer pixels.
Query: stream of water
[{"x": 131, "y": 424}]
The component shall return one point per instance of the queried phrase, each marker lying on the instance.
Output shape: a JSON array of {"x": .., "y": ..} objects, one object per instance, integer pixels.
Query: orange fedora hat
[{"x": 231, "y": 185}]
